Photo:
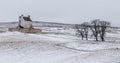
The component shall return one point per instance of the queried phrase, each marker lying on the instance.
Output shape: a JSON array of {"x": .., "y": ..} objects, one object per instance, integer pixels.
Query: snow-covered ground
[{"x": 16, "y": 47}]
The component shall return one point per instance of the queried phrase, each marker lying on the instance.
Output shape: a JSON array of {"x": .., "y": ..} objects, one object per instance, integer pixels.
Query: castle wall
[
  {"x": 25, "y": 24},
  {"x": 26, "y": 30}
]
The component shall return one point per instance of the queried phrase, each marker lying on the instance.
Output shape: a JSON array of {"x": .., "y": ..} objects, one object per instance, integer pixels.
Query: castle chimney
[
  {"x": 29, "y": 16},
  {"x": 22, "y": 15}
]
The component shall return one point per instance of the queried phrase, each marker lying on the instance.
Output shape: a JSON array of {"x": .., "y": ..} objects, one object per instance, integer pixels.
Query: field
[{"x": 59, "y": 45}]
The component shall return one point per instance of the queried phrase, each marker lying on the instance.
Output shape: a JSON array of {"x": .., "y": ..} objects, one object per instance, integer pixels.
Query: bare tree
[
  {"x": 80, "y": 31},
  {"x": 99, "y": 28},
  {"x": 95, "y": 27},
  {"x": 103, "y": 27},
  {"x": 85, "y": 27}
]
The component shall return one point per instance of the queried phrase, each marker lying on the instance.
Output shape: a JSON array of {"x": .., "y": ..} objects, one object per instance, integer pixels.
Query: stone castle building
[
  {"x": 25, "y": 22},
  {"x": 25, "y": 25}
]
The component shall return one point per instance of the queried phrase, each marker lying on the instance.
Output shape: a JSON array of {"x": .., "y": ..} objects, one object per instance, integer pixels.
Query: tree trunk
[
  {"x": 86, "y": 37},
  {"x": 96, "y": 38},
  {"x": 82, "y": 37},
  {"x": 102, "y": 38}
]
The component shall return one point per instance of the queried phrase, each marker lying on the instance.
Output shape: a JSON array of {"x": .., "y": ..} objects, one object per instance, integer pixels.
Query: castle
[
  {"x": 25, "y": 25},
  {"x": 25, "y": 22}
]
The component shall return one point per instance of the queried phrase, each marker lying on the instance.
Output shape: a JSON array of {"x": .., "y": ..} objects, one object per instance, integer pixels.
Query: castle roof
[{"x": 27, "y": 18}]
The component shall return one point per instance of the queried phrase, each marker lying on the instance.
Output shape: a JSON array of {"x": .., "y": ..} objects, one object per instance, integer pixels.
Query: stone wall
[
  {"x": 25, "y": 30},
  {"x": 25, "y": 24}
]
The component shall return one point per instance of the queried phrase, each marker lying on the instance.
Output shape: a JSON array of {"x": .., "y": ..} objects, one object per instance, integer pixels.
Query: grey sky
[{"x": 65, "y": 11}]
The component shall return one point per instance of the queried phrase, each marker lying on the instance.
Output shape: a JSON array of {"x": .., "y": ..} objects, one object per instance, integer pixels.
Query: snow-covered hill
[
  {"x": 16, "y": 47},
  {"x": 58, "y": 45}
]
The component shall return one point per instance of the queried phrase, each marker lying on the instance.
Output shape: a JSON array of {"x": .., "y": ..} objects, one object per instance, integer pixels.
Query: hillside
[
  {"x": 36, "y": 24},
  {"x": 58, "y": 45},
  {"x": 19, "y": 47}
]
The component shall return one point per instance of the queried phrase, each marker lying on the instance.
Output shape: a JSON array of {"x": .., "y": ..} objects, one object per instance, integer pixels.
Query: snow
[
  {"x": 102, "y": 56},
  {"x": 92, "y": 46},
  {"x": 16, "y": 47}
]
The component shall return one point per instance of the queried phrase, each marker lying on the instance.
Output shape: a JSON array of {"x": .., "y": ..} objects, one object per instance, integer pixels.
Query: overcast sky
[{"x": 65, "y": 11}]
